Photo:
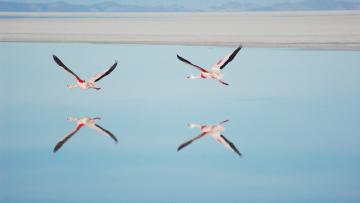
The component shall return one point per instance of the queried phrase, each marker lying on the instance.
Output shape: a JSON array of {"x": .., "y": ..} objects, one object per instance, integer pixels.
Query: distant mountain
[
  {"x": 183, "y": 6},
  {"x": 289, "y": 6},
  {"x": 98, "y": 7}
]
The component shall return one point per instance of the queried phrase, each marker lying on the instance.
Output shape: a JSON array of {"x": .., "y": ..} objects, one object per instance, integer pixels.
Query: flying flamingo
[
  {"x": 90, "y": 122},
  {"x": 215, "y": 71},
  {"x": 215, "y": 132},
  {"x": 82, "y": 83}
]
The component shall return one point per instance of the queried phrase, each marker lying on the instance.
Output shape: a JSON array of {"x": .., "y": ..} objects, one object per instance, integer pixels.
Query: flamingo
[
  {"x": 82, "y": 83},
  {"x": 91, "y": 123},
  {"x": 215, "y": 132},
  {"x": 215, "y": 71}
]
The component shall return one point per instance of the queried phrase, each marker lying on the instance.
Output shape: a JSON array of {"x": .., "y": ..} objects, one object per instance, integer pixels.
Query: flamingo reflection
[
  {"x": 91, "y": 123},
  {"x": 215, "y": 132}
]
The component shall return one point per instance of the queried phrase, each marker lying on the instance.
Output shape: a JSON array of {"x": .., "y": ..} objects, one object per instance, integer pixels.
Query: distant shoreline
[{"x": 308, "y": 29}]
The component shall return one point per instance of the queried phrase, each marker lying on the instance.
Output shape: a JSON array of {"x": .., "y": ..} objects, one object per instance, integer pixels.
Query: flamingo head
[
  {"x": 190, "y": 125},
  {"x": 71, "y": 86},
  {"x": 191, "y": 77},
  {"x": 71, "y": 118}
]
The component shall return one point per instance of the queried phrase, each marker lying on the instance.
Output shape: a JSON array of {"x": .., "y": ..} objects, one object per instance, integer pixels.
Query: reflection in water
[
  {"x": 215, "y": 132},
  {"x": 90, "y": 122}
]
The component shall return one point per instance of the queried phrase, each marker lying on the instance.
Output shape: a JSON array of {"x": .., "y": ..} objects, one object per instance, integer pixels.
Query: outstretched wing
[
  {"x": 222, "y": 122},
  {"x": 222, "y": 82},
  {"x": 103, "y": 131},
  {"x": 61, "y": 64},
  {"x": 104, "y": 73},
  {"x": 68, "y": 136},
  {"x": 190, "y": 141},
  {"x": 188, "y": 62},
  {"x": 224, "y": 61},
  {"x": 229, "y": 145}
]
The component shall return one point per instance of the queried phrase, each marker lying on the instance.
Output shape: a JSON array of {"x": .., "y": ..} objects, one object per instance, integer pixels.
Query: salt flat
[{"x": 324, "y": 30}]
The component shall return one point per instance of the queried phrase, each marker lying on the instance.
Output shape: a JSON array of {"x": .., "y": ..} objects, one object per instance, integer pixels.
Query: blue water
[{"x": 294, "y": 115}]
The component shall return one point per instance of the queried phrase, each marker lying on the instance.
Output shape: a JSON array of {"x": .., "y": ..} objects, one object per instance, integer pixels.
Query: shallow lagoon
[{"x": 294, "y": 114}]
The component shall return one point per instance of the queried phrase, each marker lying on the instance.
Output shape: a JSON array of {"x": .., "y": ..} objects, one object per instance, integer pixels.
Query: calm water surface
[{"x": 294, "y": 115}]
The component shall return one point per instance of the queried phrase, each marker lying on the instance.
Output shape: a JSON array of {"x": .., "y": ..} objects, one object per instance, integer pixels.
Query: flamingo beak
[{"x": 190, "y": 77}]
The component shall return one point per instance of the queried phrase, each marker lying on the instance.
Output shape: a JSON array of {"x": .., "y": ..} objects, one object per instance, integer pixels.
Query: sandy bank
[{"x": 326, "y": 30}]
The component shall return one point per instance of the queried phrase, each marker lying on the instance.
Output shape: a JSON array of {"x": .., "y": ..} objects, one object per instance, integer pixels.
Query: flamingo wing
[
  {"x": 60, "y": 63},
  {"x": 222, "y": 122},
  {"x": 64, "y": 139},
  {"x": 223, "y": 62},
  {"x": 188, "y": 62},
  {"x": 229, "y": 144},
  {"x": 190, "y": 141},
  {"x": 104, "y": 73},
  {"x": 103, "y": 131},
  {"x": 222, "y": 82}
]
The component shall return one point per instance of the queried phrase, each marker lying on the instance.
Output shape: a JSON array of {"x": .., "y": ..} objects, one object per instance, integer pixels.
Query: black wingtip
[
  {"x": 237, "y": 50},
  {"x": 114, "y": 66},
  {"x": 238, "y": 153},
  {"x": 224, "y": 83},
  {"x": 56, "y": 148},
  {"x": 183, "y": 145},
  {"x": 182, "y": 59},
  {"x": 57, "y": 60}
]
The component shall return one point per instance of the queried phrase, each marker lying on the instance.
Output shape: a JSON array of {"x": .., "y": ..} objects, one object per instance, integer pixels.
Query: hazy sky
[
  {"x": 188, "y": 5},
  {"x": 187, "y": 2}
]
